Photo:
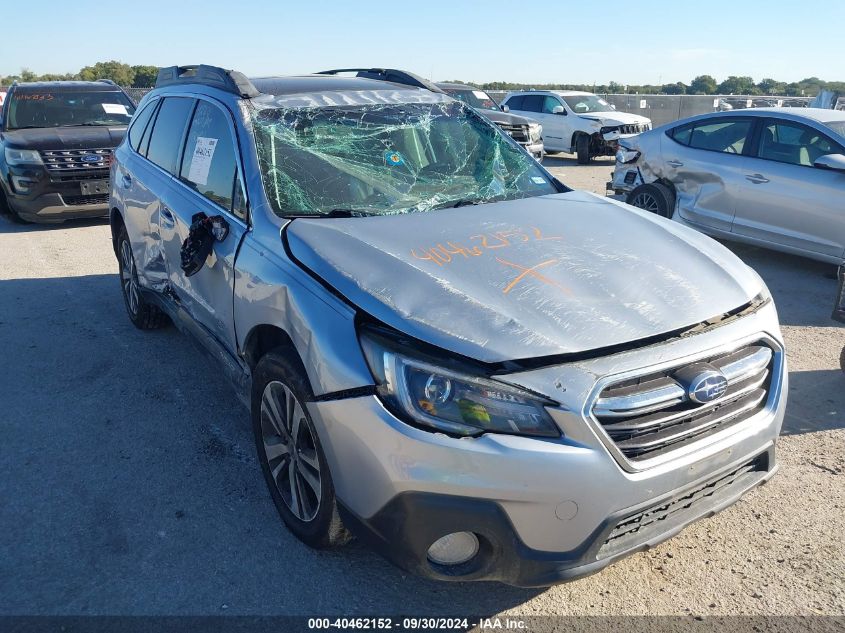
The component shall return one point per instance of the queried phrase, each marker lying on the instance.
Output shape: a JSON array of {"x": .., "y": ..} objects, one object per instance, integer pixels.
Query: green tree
[
  {"x": 678, "y": 88},
  {"x": 772, "y": 87},
  {"x": 735, "y": 85},
  {"x": 702, "y": 85},
  {"x": 119, "y": 73},
  {"x": 145, "y": 76}
]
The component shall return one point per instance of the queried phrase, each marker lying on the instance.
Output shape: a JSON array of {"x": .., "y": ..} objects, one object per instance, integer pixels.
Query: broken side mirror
[
  {"x": 559, "y": 109},
  {"x": 830, "y": 161},
  {"x": 197, "y": 246}
]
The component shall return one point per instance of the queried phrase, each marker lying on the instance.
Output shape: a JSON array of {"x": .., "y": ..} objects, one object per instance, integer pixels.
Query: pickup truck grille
[
  {"x": 519, "y": 133},
  {"x": 66, "y": 159},
  {"x": 652, "y": 415}
]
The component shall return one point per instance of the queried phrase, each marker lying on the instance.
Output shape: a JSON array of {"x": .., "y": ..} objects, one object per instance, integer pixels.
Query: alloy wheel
[
  {"x": 129, "y": 277},
  {"x": 290, "y": 450},
  {"x": 646, "y": 202}
]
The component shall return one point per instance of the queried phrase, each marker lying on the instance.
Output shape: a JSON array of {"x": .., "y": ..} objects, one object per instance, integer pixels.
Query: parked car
[
  {"x": 577, "y": 122},
  {"x": 483, "y": 374},
  {"x": 56, "y": 138},
  {"x": 525, "y": 131},
  {"x": 766, "y": 176}
]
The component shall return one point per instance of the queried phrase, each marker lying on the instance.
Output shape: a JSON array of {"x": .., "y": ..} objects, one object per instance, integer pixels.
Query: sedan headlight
[
  {"x": 22, "y": 157},
  {"x": 535, "y": 132},
  {"x": 449, "y": 399}
]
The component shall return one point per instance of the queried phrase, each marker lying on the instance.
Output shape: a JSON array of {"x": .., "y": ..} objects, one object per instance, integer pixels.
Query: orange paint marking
[{"x": 531, "y": 272}]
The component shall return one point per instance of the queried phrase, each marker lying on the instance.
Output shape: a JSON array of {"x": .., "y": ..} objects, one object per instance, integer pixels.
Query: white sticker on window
[
  {"x": 537, "y": 180},
  {"x": 201, "y": 160},
  {"x": 115, "y": 108},
  {"x": 481, "y": 95}
]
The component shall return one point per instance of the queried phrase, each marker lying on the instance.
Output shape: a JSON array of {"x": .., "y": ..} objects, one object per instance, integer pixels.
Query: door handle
[
  {"x": 674, "y": 163},
  {"x": 166, "y": 217},
  {"x": 757, "y": 179}
]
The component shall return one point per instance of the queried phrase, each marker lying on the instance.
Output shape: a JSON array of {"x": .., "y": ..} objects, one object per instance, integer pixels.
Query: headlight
[
  {"x": 22, "y": 157},
  {"x": 625, "y": 155},
  {"x": 535, "y": 132},
  {"x": 449, "y": 400}
]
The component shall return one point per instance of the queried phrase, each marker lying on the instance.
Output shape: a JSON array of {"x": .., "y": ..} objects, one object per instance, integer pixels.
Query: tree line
[
  {"x": 145, "y": 76},
  {"x": 701, "y": 85}
]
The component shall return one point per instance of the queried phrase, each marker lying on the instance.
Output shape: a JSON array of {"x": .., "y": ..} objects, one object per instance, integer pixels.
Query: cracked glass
[{"x": 388, "y": 158}]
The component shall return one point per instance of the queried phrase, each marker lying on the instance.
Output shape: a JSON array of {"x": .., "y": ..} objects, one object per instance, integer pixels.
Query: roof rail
[
  {"x": 106, "y": 81},
  {"x": 387, "y": 74},
  {"x": 228, "y": 80}
]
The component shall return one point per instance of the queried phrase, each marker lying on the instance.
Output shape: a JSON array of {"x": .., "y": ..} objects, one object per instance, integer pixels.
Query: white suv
[{"x": 577, "y": 122}]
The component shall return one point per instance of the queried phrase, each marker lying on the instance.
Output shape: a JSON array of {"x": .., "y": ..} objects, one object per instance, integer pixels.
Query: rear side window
[
  {"x": 168, "y": 130},
  {"x": 210, "y": 161},
  {"x": 715, "y": 135},
  {"x": 533, "y": 103},
  {"x": 139, "y": 124},
  {"x": 515, "y": 103}
]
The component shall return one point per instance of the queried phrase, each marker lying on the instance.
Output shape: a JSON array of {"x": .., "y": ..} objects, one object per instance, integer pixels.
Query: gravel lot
[{"x": 129, "y": 484}]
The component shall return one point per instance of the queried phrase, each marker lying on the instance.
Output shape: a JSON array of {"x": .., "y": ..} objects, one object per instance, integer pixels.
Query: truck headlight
[
  {"x": 449, "y": 399},
  {"x": 535, "y": 132},
  {"x": 22, "y": 157}
]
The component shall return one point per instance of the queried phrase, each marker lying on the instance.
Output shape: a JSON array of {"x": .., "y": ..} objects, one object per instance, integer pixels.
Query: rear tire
[
  {"x": 290, "y": 453},
  {"x": 582, "y": 149},
  {"x": 144, "y": 315},
  {"x": 654, "y": 197}
]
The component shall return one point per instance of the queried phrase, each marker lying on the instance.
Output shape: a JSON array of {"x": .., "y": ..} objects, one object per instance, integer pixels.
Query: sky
[{"x": 521, "y": 41}]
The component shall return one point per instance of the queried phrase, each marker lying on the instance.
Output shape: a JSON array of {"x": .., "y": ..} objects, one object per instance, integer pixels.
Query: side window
[
  {"x": 549, "y": 104},
  {"x": 166, "y": 137},
  {"x": 139, "y": 124},
  {"x": 793, "y": 143},
  {"x": 727, "y": 136},
  {"x": 210, "y": 161},
  {"x": 681, "y": 134},
  {"x": 533, "y": 103},
  {"x": 515, "y": 103}
]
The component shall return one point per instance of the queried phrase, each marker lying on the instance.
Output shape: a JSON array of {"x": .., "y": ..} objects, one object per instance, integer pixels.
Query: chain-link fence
[{"x": 667, "y": 108}]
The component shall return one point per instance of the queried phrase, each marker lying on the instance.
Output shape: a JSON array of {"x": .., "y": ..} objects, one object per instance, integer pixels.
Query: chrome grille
[
  {"x": 67, "y": 159},
  {"x": 653, "y": 414},
  {"x": 519, "y": 133}
]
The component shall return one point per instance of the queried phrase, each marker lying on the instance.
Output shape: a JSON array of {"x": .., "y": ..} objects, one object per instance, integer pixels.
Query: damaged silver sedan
[{"x": 444, "y": 350}]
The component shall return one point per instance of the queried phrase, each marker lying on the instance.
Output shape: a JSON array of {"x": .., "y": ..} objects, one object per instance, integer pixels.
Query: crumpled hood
[
  {"x": 526, "y": 278},
  {"x": 77, "y": 137},
  {"x": 497, "y": 116},
  {"x": 616, "y": 118}
]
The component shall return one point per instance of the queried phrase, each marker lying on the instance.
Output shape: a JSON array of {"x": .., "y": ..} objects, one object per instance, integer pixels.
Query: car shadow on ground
[
  {"x": 153, "y": 480},
  {"x": 821, "y": 392},
  {"x": 10, "y": 225}
]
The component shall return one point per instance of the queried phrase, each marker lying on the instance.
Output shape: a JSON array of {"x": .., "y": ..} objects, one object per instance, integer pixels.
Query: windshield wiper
[
  {"x": 454, "y": 204},
  {"x": 334, "y": 213}
]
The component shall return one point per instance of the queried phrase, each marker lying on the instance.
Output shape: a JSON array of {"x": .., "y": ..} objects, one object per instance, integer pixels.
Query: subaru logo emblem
[
  {"x": 707, "y": 386},
  {"x": 91, "y": 158}
]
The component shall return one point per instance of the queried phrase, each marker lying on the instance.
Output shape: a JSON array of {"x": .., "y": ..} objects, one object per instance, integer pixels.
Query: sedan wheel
[
  {"x": 291, "y": 451},
  {"x": 129, "y": 278}
]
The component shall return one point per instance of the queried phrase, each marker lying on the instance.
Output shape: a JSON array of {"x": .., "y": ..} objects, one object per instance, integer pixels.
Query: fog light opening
[{"x": 456, "y": 548}]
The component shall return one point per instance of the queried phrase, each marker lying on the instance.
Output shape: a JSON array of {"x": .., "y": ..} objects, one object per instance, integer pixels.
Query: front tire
[
  {"x": 653, "y": 197},
  {"x": 144, "y": 315},
  {"x": 6, "y": 209},
  {"x": 291, "y": 455},
  {"x": 582, "y": 148}
]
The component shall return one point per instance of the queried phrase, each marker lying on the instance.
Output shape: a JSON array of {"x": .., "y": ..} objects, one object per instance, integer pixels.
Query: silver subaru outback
[{"x": 444, "y": 350}]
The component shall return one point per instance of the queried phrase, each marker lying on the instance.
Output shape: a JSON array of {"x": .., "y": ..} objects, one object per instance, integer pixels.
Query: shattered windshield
[
  {"x": 388, "y": 158},
  {"x": 582, "y": 104},
  {"x": 474, "y": 98}
]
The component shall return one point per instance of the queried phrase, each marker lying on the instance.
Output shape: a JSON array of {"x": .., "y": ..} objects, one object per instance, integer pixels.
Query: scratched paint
[{"x": 615, "y": 275}]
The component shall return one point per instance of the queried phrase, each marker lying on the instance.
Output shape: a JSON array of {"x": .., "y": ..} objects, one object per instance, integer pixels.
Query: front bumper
[
  {"x": 535, "y": 149},
  {"x": 625, "y": 179},
  {"x": 56, "y": 197},
  {"x": 545, "y": 508}
]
